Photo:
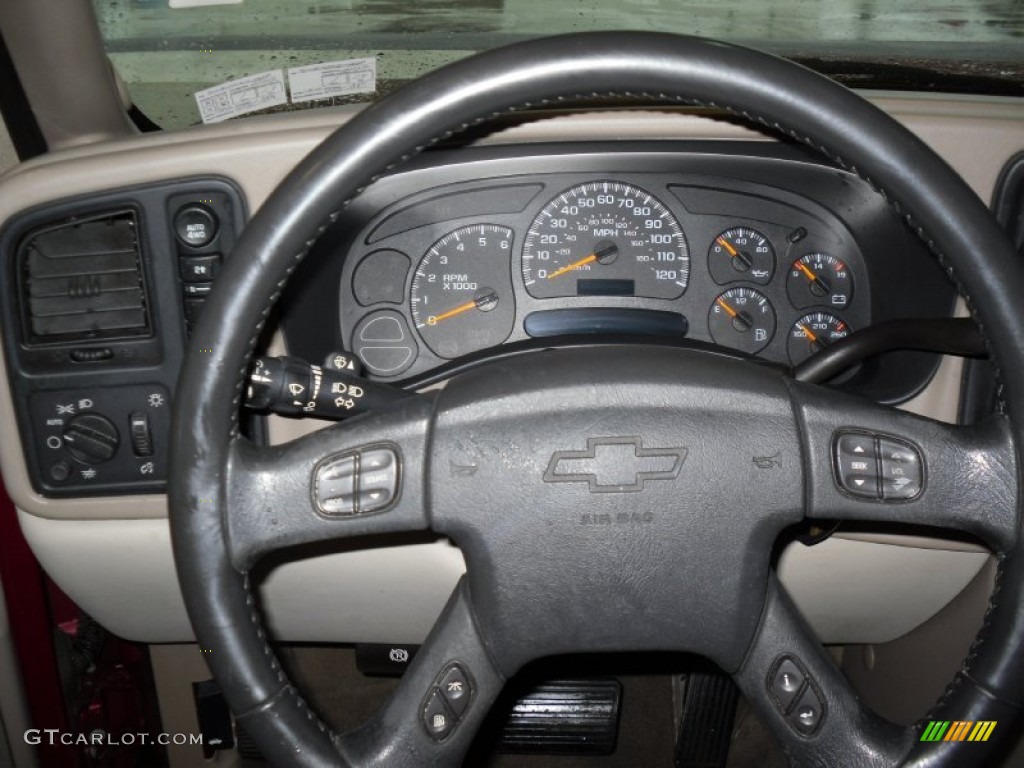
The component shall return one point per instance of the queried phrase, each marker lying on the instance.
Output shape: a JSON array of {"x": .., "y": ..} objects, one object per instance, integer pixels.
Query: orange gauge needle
[
  {"x": 815, "y": 280},
  {"x": 740, "y": 321},
  {"x": 571, "y": 267},
  {"x": 810, "y": 275},
  {"x": 435, "y": 319},
  {"x": 810, "y": 335},
  {"x": 731, "y": 312},
  {"x": 725, "y": 244}
]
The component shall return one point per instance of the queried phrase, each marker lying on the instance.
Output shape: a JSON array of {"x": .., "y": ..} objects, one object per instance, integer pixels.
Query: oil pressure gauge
[
  {"x": 741, "y": 253},
  {"x": 743, "y": 319}
]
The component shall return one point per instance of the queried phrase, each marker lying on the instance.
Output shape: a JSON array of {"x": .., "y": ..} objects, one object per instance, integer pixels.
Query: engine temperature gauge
[
  {"x": 817, "y": 279},
  {"x": 812, "y": 333},
  {"x": 743, "y": 319}
]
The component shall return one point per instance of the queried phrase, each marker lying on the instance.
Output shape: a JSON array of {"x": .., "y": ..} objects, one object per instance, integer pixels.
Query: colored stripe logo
[{"x": 958, "y": 730}]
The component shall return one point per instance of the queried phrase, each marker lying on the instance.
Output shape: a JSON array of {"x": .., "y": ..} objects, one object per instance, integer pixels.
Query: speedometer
[{"x": 605, "y": 238}]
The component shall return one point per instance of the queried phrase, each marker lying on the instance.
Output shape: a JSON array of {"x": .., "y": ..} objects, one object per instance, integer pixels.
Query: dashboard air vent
[{"x": 82, "y": 280}]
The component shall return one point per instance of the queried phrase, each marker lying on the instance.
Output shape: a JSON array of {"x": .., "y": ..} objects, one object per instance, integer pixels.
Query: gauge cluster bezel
[
  {"x": 800, "y": 205},
  {"x": 795, "y": 226}
]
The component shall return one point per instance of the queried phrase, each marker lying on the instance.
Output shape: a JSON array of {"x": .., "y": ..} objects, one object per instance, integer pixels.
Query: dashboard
[
  {"x": 757, "y": 248},
  {"x": 711, "y": 178}
]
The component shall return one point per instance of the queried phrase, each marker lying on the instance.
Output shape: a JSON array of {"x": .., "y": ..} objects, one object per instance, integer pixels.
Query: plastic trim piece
[{"x": 21, "y": 123}]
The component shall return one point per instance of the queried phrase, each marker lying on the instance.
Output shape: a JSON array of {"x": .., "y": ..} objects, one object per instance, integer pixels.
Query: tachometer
[
  {"x": 605, "y": 238},
  {"x": 461, "y": 298}
]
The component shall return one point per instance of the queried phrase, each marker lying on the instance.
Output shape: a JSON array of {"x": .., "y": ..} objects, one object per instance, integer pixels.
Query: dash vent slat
[{"x": 82, "y": 280}]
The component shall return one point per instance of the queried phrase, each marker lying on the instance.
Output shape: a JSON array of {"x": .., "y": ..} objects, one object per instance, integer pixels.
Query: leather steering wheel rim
[{"x": 764, "y": 90}]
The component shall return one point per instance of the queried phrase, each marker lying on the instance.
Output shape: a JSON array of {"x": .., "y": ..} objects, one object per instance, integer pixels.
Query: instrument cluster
[{"x": 458, "y": 268}]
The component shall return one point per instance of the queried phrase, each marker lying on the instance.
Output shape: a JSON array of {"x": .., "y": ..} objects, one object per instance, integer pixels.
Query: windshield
[{"x": 292, "y": 54}]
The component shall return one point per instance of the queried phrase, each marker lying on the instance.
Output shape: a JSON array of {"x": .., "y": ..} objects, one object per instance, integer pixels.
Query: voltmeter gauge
[
  {"x": 820, "y": 279},
  {"x": 741, "y": 253},
  {"x": 743, "y": 319},
  {"x": 812, "y": 333}
]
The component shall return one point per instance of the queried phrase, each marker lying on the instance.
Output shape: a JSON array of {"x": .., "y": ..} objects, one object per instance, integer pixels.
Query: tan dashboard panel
[{"x": 121, "y": 573}]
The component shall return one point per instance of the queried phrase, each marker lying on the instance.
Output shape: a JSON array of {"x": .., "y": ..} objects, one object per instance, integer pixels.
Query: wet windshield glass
[{"x": 171, "y": 56}]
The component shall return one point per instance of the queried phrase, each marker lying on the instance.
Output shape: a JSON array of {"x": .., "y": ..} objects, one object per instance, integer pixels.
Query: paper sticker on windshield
[
  {"x": 333, "y": 78},
  {"x": 197, "y": 3},
  {"x": 242, "y": 96}
]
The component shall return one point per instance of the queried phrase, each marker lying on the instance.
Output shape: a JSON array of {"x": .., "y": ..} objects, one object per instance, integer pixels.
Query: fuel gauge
[{"x": 743, "y": 319}]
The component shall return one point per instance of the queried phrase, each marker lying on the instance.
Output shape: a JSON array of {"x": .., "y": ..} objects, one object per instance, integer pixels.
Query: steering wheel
[{"x": 592, "y": 491}]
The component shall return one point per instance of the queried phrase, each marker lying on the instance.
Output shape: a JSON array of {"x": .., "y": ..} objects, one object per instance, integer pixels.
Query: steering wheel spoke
[
  {"x": 358, "y": 478},
  {"x": 876, "y": 463},
  {"x": 801, "y": 695},
  {"x": 438, "y": 707}
]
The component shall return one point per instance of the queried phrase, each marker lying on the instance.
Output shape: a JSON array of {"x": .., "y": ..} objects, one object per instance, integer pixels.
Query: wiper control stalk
[{"x": 292, "y": 387}]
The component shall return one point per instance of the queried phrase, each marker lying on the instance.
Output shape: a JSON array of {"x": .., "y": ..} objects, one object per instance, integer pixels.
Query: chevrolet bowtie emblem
[{"x": 615, "y": 465}]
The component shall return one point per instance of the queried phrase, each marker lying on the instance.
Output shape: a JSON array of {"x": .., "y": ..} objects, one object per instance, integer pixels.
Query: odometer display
[{"x": 605, "y": 238}]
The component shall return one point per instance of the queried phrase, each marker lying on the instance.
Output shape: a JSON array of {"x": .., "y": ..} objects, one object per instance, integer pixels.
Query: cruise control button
[
  {"x": 902, "y": 470},
  {"x": 378, "y": 479},
  {"x": 808, "y": 713},
  {"x": 786, "y": 683},
  {"x": 372, "y": 501},
  {"x": 356, "y": 482},
  {"x": 455, "y": 688},
  {"x": 437, "y": 718},
  {"x": 334, "y": 486},
  {"x": 856, "y": 464}
]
